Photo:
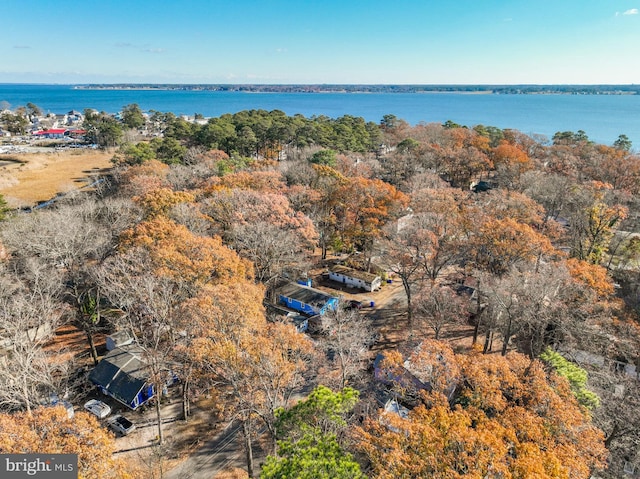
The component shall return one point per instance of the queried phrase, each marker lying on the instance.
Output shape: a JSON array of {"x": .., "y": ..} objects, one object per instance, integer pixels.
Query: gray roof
[
  {"x": 354, "y": 273},
  {"x": 122, "y": 373},
  {"x": 119, "y": 338},
  {"x": 305, "y": 294}
]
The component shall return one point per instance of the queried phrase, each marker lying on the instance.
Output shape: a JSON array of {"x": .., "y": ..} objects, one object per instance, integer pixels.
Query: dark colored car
[
  {"x": 121, "y": 424},
  {"x": 353, "y": 304}
]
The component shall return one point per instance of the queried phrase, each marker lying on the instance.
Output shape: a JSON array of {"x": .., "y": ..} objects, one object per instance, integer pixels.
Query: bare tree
[
  {"x": 67, "y": 241},
  {"x": 400, "y": 252},
  {"x": 346, "y": 338},
  {"x": 533, "y": 307},
  {"x": 28, "y": 316},
  {"x": 439, "y": 306},
  {"x": 272, "y": 250},
  {"x": 151, "y": 304},
  {"x": 618, "y": 416},
  {"x": 551, "y": 190},
  {"x": 421, "y": 246}
]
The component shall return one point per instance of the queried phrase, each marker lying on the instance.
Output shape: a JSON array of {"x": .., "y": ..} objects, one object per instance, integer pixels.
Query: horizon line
[{"x": 322, "y": 84}]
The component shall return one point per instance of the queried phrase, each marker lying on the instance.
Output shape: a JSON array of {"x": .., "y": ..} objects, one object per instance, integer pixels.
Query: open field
[{"x": 29, "y": 178}]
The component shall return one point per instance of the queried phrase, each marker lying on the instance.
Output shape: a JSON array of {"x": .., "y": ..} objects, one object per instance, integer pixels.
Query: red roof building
[{"x": 59, "y": 133}]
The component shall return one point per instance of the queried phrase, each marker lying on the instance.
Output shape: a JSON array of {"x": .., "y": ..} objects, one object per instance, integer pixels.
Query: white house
[{"x": 354, "y": 278}]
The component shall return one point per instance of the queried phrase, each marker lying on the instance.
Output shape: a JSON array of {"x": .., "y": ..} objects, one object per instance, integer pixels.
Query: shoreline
[{"x": 387, "y": 89}]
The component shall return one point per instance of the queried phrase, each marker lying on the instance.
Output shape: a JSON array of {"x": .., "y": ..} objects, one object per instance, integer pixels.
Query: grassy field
[{"x": 28, "y": 178}]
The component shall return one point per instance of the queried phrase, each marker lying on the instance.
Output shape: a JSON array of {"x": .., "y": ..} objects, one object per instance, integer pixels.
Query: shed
[
  {"x": 355, "y": 278},
  {"x": 123, "y": 374},
  {"x": 118, "y": 339},
  {"x": 300, "y": 321}
]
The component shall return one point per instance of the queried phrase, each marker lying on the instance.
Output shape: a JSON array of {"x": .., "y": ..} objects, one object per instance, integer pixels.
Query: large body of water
[{"x": 602, "y": 117}]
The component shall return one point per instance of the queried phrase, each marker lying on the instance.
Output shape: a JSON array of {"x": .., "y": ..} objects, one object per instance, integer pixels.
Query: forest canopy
[{"x": 515, "y": 258}]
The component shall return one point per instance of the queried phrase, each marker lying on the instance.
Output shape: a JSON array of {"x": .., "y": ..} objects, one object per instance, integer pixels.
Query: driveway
[{"x": 223, "y": 452}]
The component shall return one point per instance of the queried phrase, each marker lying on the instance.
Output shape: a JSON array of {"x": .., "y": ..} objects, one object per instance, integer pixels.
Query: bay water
[{"x": 602, "y": 117}]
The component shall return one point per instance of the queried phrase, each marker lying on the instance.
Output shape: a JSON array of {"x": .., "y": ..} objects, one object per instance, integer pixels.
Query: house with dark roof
[
  {"x": 305, "y": 299},
  {"x": 124, "y": 375}
]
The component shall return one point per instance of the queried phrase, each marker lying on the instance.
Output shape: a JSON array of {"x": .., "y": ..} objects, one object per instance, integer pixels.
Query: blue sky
[{"x": 348, "y": 41}]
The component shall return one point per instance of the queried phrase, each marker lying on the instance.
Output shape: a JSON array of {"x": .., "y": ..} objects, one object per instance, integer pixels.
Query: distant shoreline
[{"x": 464, "y": 89}]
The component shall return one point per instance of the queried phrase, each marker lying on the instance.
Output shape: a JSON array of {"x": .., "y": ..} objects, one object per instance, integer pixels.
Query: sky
[{"x": 316, "y": 42}]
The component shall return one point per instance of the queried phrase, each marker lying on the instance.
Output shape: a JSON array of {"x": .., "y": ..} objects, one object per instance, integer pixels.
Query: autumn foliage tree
[
  {"x": 159, "y": 201},
  {"x": 462, "y": 156},
  {"x": 258, "y": 364},
  {"x": 363, "y": 207},
  {"x": 421, "y": 244},
  {"x": 499, "y": 244},
  {"x": 594, "y": 217},
  {"x": 442, "y": 215},
  {"x": 592, "y": 276},
  {"x": 176, "y": 252},
  {"x": 508, "y": 419},
  {"x": 50, "y": 430},
  {"x": 510, "y": 162},
  {"x": 614, "y": 166},
  {"x": 257, "y": 219},
  {"x": 160, "y": 266}
]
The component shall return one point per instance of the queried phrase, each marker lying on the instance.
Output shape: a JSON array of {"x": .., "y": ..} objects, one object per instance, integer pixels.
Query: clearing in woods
[{"x": 29, "y": 178}]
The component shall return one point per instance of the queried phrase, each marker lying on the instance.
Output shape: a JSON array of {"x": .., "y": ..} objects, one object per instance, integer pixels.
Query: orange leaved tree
[
  {"x": 257, "y": 363},
  {"x": 507, "y": 418},
  {"x": 49, "y": 430}
]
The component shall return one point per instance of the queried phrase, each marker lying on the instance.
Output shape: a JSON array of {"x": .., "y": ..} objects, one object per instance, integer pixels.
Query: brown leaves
[
  {"x": 141, "y": 179},
  {"x": 263, "y": 181},
  {"x": 214, "y": 312},
  {"x": 364, "y": 206},
  {"x": 180, "y": 254},
  {"x": 159, "y": 201},
  {"x": 463, "y": 156},
  {"x": 511, "y": 155},
  {"x": 49, "y": 430},
  {"x": 232, "y": 344},
  {"x": 593, "y": 276},
  {"x": 509, "y": 419},
  {"x": 502, "y": 243}
]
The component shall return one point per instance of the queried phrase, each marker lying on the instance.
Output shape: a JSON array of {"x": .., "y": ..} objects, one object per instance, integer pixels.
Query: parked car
[
  {"x": 353, "y": 304},
  {"x": 97, "y": 408},
  {"x": 121, "y": 424}
]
